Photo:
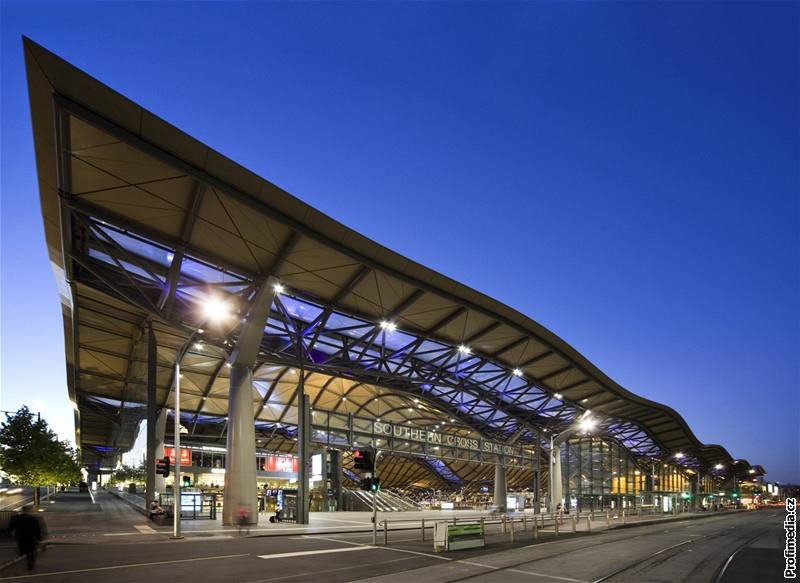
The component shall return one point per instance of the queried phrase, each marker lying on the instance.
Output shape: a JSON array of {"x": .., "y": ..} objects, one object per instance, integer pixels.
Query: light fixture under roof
[
  {"x": 464, "y": 349},
  {"x": 278, "y": 287},
  {"x": 388, "y": 326},
  {"x": 517, "y": 372},
  {"x": 216, "y": 309},
  {"x": 558, "y": 396},
  {"x": 718, "y": 467},
  {"x": 679, "y": 455}
]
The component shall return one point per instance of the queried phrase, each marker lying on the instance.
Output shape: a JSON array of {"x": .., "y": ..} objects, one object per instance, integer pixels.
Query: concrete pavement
[{"x": 683, "y": 550}]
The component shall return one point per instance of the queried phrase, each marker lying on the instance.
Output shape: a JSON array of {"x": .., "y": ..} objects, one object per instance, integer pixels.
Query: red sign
[
  {"x": 186, "y": 456},
  {"x": 280, "y": 464}
]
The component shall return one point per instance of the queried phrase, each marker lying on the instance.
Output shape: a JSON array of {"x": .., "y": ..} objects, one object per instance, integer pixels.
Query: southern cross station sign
[
  {"x": 411, "y": 433},
  {"x": 336, "y": 429}
]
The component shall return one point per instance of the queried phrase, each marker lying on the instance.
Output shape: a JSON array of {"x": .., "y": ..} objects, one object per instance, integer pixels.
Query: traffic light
[
  {"x": 162, "y": 467},
  {"x": 371, "y": 484},
  {"x": 363, "y": 460}
]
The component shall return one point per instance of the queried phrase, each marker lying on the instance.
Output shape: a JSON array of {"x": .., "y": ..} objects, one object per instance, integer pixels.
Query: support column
[
  {"x": 556, "y": 494},
  {"x": 240, "y": 465},
  {"x": 152, "y": 416},
  {"x": 335, "y": 471},
  {"x": 303, "y": 447},
  {"x": 158, "y": 451},
  {"x": 500, "y": 488}
]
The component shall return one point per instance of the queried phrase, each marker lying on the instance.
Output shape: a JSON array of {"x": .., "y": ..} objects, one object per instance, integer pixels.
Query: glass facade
[{"x": 600, "y": 474}]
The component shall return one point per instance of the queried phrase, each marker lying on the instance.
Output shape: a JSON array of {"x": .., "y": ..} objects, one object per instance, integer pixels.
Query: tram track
[{"x": 660, "y": 556}]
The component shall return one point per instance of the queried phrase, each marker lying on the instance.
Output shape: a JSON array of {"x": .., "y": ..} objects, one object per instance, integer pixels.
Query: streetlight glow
[{"x": 587, "y": 424}]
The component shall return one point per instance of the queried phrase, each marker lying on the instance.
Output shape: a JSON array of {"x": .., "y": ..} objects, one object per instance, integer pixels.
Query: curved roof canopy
[{"x": 143, "y": 223}]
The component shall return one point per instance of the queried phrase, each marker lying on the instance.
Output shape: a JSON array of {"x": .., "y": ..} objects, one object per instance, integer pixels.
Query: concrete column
[
  {"x": 158, "y": 448},
  {"x": 556, "y": 492},
  {"x": 240, "y": 463},
  {"x": 240, "y": 466},
  {"x": 152, "y": 416},
  {"x": 335, "y": 470},
  {"x": 500, "y": 488},
  {"x": 303, "y": 448}
]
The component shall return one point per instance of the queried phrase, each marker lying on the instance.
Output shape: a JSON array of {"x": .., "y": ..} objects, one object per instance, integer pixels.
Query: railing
[{"x": 512, "y": 524}]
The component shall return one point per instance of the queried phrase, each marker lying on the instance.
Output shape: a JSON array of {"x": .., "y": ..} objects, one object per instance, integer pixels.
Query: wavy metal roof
[{"x": 142, "y": 222}]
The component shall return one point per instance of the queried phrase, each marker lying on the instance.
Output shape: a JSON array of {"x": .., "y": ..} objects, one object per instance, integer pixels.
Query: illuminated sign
[
  {"x": 280, "y": 464},
  {"x": 186, "y": 456},
  {"x": 411, "y": 433}
]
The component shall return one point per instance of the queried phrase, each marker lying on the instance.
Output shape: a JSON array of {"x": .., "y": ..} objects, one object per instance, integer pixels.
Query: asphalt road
[{"x": 686, "y": 550}]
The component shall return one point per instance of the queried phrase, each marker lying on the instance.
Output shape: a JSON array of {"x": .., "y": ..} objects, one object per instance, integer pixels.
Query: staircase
[{"x": 359, "y": 500}]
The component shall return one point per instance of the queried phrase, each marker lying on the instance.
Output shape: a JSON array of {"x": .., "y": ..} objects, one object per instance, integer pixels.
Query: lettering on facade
[{"x": 436, "y": 438}]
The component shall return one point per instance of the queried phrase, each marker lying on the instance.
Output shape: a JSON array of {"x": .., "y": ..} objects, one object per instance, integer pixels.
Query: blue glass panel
[
  {"x": 299, "y": 309},
  {"x": 206, "y": 273},
  {"x": 140, "y": 246}
]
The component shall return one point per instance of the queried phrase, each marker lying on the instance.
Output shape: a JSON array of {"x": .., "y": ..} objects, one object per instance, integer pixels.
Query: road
[{"x": 684, "y": 550}]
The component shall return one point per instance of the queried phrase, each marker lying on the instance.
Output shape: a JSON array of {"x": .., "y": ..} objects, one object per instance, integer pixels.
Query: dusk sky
[{"x": 625, "y": 174}]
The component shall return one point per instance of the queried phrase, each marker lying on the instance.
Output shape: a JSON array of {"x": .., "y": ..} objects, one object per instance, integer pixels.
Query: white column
[
  {"x": 500, "y": 488},
  {"x": 240, "y": 463}
]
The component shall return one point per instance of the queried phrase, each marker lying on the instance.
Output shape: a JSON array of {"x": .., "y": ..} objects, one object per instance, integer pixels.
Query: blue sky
[{"x": 625, "y": 174}]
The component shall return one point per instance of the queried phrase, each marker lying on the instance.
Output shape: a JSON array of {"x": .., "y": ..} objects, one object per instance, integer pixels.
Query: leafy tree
[
  {"x": 127, "y": 474},
  {"x": 31, "y": 453}
]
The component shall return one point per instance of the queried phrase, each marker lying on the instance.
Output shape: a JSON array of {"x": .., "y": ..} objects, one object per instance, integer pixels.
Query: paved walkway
[{"x": 107, "y": 518}]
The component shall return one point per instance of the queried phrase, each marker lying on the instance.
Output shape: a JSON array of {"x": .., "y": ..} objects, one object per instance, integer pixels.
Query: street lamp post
[{"x": 216, "y": 310}]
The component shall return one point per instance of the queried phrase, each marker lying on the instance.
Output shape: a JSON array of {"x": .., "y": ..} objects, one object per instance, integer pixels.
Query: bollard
[
  {"x": 555, "y": 523},
  {"x": 483, "y": 527},
  {"x": 542, "y": 520},
  {"x": 505, "y": 526},
  {"x": 385, "y": 533},
  {"x": 524, "y": 523},
  {"x": 608, "y": 520},
  {"x": 623, "y": 517},
  {"x": 574, "y": 524},
  {"x": 535, "y": 530},
  {"x": 589, "y": 523},
  {"x": 511, "y": 530},
  {"x": 423, "y": 530}
]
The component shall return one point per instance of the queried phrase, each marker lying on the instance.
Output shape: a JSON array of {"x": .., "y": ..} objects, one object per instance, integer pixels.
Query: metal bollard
[
  {"x": 555, "y": 523},
  {"x": 542, "y": 520},
  {"x": 524, "y": 523},
  {"x": 423, "y": 530},
  {"x": 624, "y": 521},
  {"x": 455, "y": 520},
  {"x": 535, "y": 530},
  {"x": 608, "y": 520},
  {"x": 511, "y": 536},
  {"x": 505, "y": 526},
  {"x": 483, "y": 526},
  {"x": 574, "y": 524},
  {"x": 385, "y": 533},
  {"x": 589, "y": 523}
]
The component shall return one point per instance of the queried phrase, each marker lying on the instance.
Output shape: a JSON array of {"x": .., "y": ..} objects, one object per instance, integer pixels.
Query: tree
[
  {"x": 31, "y": 453},
  {"x": 129, "y": 474}
]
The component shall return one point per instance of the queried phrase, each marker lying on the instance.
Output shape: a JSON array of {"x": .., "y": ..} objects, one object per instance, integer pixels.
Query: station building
[{"x": 285, "y": 333}]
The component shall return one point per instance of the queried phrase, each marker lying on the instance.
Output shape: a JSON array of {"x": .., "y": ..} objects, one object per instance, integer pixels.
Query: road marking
[
  {"x": 348, "y": 521},
  {"x": 316, "y": 574},
  {"x": 145, "y": 529},
  {"x": 347, "y": 542},
  {"x": 547, "y": 576},
  {"x": 322, "y": 552},
  {"x": 128, "y": 566}
]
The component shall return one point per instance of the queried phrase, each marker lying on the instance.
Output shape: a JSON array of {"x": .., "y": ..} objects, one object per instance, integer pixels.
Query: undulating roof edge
[{"x": 49, "y": 75}]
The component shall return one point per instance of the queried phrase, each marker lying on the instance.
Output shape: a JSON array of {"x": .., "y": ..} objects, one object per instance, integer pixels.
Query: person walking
[
  {"x": 27, "y": 530},
  {"x": 243, "y": 518}
]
